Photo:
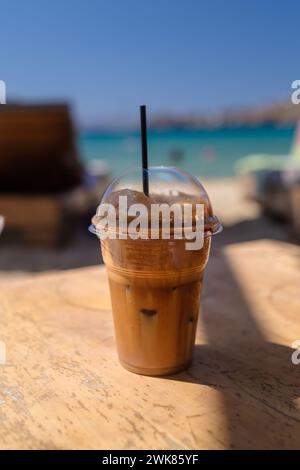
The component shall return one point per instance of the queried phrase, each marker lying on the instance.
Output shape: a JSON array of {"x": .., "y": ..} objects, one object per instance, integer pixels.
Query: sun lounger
[
  {"x": 43, "y": 186},
  {"x": 254, "y": 169},
  {"x": 274, "y": 182},
  {"x": 38, "y": 152}
]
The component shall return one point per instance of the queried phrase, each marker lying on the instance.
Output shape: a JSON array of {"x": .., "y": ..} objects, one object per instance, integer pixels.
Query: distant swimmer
[
  {"x": 176, "y": 155},
  {"x": 209, "y": 154}
]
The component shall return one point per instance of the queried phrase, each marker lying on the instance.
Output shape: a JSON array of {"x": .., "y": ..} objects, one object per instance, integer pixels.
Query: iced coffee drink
[{"x": 156, "y": 284}]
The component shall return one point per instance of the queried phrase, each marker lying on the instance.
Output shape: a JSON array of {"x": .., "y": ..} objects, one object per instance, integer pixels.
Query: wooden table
[{"x": 62, "y": 386}]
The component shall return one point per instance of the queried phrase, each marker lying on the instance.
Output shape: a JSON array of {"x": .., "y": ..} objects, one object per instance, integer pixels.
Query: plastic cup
[{"x": 156, "y": 284}]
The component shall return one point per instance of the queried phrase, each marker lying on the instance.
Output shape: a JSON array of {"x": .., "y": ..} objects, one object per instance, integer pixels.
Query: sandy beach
[{"x": 241, "y": 218}]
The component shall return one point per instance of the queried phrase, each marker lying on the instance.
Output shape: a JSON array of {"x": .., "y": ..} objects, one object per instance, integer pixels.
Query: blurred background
[{"x": 216, "y": 77}]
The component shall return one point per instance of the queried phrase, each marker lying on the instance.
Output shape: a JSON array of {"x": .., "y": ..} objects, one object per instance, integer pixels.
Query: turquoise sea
[{"x": 205, "y": 153}]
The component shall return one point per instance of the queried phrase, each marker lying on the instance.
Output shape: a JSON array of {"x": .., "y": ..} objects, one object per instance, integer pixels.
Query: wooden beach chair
[
  {"x": 37, "y": 149},
  {"x": 41, "y": 178}
]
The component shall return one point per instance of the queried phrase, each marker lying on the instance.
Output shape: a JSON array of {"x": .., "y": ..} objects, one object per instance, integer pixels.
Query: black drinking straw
[{"x": 144, "y": 149}]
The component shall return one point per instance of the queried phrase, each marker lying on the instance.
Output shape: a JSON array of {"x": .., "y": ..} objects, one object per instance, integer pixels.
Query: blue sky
[{"x": 107, "y": 56}]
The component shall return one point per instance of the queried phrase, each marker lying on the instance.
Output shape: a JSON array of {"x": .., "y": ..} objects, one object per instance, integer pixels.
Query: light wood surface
[{"x": 62, "y": 385}]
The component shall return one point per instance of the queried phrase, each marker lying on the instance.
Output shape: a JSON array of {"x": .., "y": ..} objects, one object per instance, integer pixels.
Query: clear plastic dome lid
[{"x": 165, "y": 185}]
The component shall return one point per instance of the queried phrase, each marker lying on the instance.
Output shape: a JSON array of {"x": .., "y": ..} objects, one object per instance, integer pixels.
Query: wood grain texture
[{"x": 62, "y": 386}]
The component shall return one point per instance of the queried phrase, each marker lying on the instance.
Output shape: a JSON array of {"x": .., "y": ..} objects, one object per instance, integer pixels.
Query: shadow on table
[
  {"x": 83, "y": 249},
  {"x": 259, "y": 228},
  {"x": 256, "y": 379}
]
